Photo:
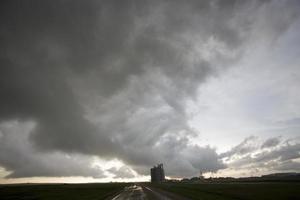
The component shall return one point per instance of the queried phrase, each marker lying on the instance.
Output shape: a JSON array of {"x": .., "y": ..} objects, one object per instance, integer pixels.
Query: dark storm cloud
[
  {"x": 112, "y": 78},
  {"x": 18, "y": 154}
]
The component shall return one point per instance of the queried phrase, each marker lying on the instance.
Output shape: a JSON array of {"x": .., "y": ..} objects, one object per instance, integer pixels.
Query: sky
[{"x": 99, "y": 91}]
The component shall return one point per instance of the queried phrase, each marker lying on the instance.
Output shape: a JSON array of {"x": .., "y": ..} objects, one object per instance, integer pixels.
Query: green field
[
  {"x": 231, "y": 191},
  {"x": 59, "y": 191}
]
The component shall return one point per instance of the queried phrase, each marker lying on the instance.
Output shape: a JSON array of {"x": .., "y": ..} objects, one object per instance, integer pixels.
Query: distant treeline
[{"x": 278, "y": 177}]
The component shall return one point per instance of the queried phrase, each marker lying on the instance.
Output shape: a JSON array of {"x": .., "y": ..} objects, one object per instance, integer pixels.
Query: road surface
[{"x": 140, "y": 192}]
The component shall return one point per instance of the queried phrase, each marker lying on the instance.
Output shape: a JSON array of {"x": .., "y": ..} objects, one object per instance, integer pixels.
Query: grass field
[
  {"x": 211, "y": 191},
  {"x": 59, "y": 191},
  {"x": 238, "y": 191}
]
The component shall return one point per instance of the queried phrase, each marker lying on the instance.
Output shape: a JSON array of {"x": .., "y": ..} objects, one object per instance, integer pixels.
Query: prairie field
[
  {"x": 59, "y": 191},
  {"x": 197, "y": 191},
  {"x": 231, "y": 191}
]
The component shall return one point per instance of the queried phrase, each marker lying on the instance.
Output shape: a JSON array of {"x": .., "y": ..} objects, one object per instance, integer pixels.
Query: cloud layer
[
  {"x": 112, "y": 79},
  {"x": 256, "y": 157}
]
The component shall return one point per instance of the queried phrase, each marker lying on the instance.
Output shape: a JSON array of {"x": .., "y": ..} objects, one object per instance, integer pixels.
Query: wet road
[{"x": 137, "y": 192}]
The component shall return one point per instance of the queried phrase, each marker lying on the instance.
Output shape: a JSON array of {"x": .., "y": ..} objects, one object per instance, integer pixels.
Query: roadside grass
[
  {"x": 237, "y": 191},
  {"x": 59, "y": 191}
]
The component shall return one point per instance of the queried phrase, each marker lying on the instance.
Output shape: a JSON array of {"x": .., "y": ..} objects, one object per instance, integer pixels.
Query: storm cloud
[
  {"x": 275, "y": 155},
  {"x": 19, "y": 155},
  {"x": 112, "y": 79}
]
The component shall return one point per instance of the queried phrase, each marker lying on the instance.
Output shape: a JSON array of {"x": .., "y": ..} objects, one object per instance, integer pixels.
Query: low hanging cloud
[
  {"x": 274, "y": 155},
  {"x": 271, "y": 142},
  {"x": 18, "y": 154},
  {"x": 112, "y": 79},
  {"x": 248, "y": 145},
  {"x": 122, "y": 172}
]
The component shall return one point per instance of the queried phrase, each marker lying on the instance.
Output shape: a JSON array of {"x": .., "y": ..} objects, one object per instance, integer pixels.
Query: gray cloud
[
  {"x": 112, "y": 79},
  {"x": 18, "y": 154},
  {"x": 244, "y": 147},
  {"x": 271, "y": 142},
  {"x": 281, "y": 157},
  {"x": 288, "y": 166},
  {"x": 122, "y": 172}
]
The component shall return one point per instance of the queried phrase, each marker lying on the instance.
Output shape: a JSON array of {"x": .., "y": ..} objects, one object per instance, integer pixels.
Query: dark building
[{"x": 157, "y": 173}]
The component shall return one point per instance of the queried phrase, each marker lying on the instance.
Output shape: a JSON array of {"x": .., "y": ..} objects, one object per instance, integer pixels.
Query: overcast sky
[{"x": 104, "y": 90}]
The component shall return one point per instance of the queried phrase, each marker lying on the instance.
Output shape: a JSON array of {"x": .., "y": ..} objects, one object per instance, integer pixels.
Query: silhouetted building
[{"x": 157, "y": 173}]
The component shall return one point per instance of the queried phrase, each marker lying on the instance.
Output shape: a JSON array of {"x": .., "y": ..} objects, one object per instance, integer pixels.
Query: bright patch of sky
[{"x": 259, "y": 96}]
